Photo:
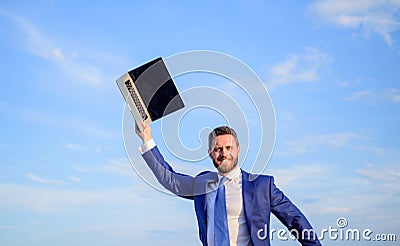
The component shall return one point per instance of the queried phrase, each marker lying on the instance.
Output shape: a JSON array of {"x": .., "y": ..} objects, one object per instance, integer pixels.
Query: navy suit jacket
[{"x": 260, "y": 198}]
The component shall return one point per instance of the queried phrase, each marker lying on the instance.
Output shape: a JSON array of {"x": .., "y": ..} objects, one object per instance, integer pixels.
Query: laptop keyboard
[{"x": 136, "y": 99}]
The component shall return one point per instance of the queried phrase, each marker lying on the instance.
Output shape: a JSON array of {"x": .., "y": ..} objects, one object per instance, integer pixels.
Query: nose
[{"x": 223, "y": 152}]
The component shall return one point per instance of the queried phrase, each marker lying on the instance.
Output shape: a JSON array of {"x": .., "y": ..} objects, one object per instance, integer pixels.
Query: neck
[{"x": 233, "y": 170}]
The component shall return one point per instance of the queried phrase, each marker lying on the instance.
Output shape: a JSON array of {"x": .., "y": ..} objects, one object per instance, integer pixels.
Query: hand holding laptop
[
  {"x": 145, "y": 133},
  {"x": 149, "y": 92}
]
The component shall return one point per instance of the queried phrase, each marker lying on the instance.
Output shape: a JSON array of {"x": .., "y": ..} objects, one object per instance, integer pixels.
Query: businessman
[{"x": 231, "y": 207}]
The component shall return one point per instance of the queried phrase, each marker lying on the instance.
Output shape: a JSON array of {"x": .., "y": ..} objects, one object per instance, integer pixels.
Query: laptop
[{"x": 150, "y": 92}]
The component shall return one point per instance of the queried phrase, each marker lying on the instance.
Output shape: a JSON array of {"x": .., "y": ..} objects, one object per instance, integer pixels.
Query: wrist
[
  {"x": 146, "y": 146},
  {"x": 146, "y": 138}
]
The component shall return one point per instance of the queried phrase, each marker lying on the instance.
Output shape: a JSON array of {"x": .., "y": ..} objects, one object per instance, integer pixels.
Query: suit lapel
[
  {"x": 248, "y": 195},
  {"x": 200, "y": 201},
  {"x": 201, "y": 190}
]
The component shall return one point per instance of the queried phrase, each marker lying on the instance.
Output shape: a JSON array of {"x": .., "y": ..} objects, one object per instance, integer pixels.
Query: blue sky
[{"x": 331, "y": 69}]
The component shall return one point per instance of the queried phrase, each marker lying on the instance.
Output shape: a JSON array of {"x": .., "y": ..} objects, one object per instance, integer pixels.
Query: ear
[
  {"x": 210, "y": 153},
  {"x": 238, "y": 147}
]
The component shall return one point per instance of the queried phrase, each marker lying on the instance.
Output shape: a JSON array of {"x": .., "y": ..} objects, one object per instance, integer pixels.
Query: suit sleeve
[
  {"x": 179, "y": 184},
  {"x": 292, "y": 217}
]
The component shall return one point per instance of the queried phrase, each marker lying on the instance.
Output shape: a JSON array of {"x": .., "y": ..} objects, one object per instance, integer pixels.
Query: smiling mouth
[{"x": 224, "y": 161}]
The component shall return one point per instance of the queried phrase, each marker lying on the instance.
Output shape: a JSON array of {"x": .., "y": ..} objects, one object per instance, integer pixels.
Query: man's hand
[{"x": 146, "y": 134}]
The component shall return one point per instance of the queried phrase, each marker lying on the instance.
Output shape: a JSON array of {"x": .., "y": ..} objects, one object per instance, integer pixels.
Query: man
[{"x": 231, "y": 208}]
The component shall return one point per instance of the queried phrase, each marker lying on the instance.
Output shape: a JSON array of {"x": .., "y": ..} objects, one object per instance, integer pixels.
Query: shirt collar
[{"x": 233, "y": 174}]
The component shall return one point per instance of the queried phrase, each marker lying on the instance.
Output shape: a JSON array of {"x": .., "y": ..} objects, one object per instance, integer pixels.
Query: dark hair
[{"x": 221, "y": 130}]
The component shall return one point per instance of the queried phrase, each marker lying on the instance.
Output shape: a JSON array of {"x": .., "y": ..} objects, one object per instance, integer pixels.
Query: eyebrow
[{"x": 221, "y": 146}]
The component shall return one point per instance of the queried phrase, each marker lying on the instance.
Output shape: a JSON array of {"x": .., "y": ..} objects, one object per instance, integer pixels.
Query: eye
[{"x": 217, "y": 149}]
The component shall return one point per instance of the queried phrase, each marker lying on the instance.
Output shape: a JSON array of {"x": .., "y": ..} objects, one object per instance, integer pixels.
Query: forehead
[{"x": 224, "y": 140}]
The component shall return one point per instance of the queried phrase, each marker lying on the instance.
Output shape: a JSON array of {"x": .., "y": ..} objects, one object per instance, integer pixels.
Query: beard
[{"x": 225, "y": 167}]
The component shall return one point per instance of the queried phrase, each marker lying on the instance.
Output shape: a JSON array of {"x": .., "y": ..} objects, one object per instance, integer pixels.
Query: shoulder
[
  {"x": 203, "y": 173},
  {"x": 257, "y": 178},
  {"x": 206, "y": 176}
]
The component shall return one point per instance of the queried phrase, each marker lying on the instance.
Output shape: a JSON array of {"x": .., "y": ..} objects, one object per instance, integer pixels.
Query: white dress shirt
[
  {"x": 146, "y": 146},
  {"x": 237, "y": 225}
]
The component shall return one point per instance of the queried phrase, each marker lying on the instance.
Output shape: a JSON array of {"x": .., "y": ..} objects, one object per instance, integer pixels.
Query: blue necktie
[{"x": 221, "y": 233}]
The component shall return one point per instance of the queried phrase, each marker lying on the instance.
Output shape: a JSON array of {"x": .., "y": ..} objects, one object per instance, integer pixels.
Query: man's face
[{"x": 224, "y": 153}]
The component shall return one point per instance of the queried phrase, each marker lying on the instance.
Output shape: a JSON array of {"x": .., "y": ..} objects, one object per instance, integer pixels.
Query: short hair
[{"x": 221, "y": 130}]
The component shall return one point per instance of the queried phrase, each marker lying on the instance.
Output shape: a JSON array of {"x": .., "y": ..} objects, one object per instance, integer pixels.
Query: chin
[{"x": 225, "y": 168}]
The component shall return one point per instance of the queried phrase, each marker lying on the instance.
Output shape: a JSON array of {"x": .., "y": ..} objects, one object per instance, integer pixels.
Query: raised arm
[{"x": 179, "y": 184}]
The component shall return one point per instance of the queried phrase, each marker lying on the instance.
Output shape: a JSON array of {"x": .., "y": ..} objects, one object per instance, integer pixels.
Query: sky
[{"x": 70, "y": 171}]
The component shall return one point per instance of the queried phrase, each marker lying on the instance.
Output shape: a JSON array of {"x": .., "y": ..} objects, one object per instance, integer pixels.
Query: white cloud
[
  {"x": 305, "y": 67},
  {"x": 81, "y": 148},
  {"x": 75, "y": 147},
  {"x": 9, "y": 227},
  {"x": 118, "y": 166},
  {"x": 373, "y": 173},
  {"x": 298, "y": 174},
  {"x": 79, "y": 125},
  {"x": 374, "y": 150},
  {"x": 38, "y": 179},
  {"x": 87, "y": 126},
  {"x": 113, "y": 166},
  {"x": 351, "y": 141},
  {"x": 372, "y": 96},
  {"x": 75, "y": 179},
  {"x": 325, "y": 192},
  {"x": 392, "y": 94},
  {"x": 307, "y": 185},
  {"x": 308, "y": 143},
  {"x": 343, "y": 84},
  {"x": 44, "y": 200},
  {"x": 101, "y": 149},
  {"x": 334, "y": 210},
  {"x": 136, "y": 213},
  {"x": 357, "y": 95},
  {"x": 365, "y": 16},
  {"x": 382, "y": 179},
  {"x": 42, "y": 45}
]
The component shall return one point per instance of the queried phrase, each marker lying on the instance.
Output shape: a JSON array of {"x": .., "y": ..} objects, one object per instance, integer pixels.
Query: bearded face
[{"x": 224, "y": 153}]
